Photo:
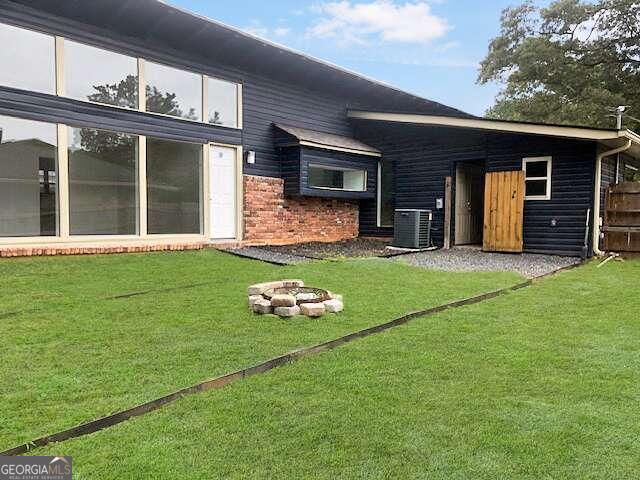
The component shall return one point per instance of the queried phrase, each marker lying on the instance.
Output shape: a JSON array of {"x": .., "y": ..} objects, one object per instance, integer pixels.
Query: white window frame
[
  {"x": 339, "y": 169},
  {"x": 549, "y": 161}
]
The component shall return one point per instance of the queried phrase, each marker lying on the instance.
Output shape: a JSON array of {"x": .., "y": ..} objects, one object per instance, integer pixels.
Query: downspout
[{"x": 596, "y": 193}]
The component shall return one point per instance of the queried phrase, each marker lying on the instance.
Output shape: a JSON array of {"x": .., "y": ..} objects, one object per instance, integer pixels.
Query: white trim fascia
[
  {"x": 498, "y": 125},
  {"x": 59, "y": 65},
  {"x": 142, "y": 186},
  {"x": 142, "y": 85},
  {"x": 63, "y": 181},
  {"x": 239, "y": 107}
]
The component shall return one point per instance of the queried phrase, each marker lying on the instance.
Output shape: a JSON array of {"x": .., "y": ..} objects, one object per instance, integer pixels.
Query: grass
[
  {"x": 540, "y": 383},
  {"x": 71, "y": 354}
]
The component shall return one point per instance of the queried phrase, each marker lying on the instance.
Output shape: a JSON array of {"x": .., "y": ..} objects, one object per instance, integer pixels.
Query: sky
[{"x": 431, "y": 48}]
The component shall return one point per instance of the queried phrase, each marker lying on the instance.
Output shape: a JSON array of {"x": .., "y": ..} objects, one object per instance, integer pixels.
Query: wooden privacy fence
[
  {"x": 622, "y": 218},
  {"x": 503, "y": 211}
]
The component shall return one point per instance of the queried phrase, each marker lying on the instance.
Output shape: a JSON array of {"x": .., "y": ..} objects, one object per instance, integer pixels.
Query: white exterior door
[{"x": 222, "y": 192}]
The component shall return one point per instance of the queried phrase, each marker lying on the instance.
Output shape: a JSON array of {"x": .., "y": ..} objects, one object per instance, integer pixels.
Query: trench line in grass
[{"x": 224, "y": 380}]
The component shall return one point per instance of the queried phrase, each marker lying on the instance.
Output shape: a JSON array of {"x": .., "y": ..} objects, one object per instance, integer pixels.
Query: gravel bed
[
  {"x": 355, "y": 248},
  {"x": 259, "y": 253},
  {"x": 466, "y": 260}
]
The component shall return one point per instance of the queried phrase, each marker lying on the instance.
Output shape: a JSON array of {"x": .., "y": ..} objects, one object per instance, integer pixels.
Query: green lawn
[
  {"x": 541, "y": 383},
  {"x": 70, "y": 354}
]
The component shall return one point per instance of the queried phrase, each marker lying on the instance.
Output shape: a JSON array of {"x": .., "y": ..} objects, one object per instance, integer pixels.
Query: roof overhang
[
  {"x": 311, "y": 138},
  {"x": 610, "y": 138}
]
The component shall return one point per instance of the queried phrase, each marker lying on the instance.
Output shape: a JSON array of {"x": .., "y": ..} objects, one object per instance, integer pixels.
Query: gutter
[{"x": 596, "y": 194}]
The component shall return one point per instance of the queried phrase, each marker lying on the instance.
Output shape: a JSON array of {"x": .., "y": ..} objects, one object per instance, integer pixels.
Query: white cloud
[
  {"x": 281, "y": 32},
  {"x": 378, "y": 20}
]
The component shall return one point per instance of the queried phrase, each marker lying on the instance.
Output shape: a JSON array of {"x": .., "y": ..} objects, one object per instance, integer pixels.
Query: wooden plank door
[{"x": 503, "y": 211}]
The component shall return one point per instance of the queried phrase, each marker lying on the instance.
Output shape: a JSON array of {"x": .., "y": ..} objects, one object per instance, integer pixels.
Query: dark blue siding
[
  {"x": 572, "y": 183},
  {"x": 423, "y": 156},
  {"x": 48, "y": 108}
]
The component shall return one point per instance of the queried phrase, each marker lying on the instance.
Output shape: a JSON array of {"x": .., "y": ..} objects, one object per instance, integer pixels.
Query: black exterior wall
[{"x": 424, "y": 156}]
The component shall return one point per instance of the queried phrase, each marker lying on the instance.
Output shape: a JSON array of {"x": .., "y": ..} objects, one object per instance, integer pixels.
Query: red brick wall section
[
  {"x": 273, "y": 218},
  {"x": 80, "y": 250}
]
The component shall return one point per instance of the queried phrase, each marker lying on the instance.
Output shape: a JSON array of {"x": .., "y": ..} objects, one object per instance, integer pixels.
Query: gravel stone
[
  {"x": 354, "y": 248},
  {"x": 258, "y": 253},
  {"x": 467, "y": 260}
]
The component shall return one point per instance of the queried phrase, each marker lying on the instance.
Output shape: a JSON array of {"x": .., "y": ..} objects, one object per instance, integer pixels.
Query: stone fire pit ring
[{"x": 288, "y": 298}]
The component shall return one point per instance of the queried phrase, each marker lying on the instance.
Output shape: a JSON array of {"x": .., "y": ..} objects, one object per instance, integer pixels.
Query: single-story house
[{"x": 134, "y": 125}]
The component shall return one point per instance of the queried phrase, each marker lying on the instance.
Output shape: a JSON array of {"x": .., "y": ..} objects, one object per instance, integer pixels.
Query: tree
[
  {"x": 567, "y": 63},
  {"x": 125, "y": 94}
]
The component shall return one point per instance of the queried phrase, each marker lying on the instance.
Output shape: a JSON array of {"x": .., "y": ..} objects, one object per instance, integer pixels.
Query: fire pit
[
  {"x": 301, "y": 294},
  {"x": 288, "y": 298}
]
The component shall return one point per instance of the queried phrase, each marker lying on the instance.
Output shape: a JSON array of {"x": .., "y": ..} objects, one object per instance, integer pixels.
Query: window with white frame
[
  {"x": 537, "y": 178},
  {"x": 335, "y": 178}
]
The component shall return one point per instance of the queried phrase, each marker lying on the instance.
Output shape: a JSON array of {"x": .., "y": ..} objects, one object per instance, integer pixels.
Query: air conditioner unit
[{"x": 412, "y": 228}]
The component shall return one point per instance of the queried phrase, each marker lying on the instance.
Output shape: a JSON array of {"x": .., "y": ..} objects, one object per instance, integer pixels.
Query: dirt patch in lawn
[{"x": 355, "y": 248}]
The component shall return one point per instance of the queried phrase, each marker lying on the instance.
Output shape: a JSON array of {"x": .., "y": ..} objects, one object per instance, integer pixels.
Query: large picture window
[
  {"x": 100, "y": 76},
  {"x": 27, "y": 60},
  {"x": 28, "y": 178},
  {"x": 334, "y": 178},
  {"x": 173, "y": 92},
  {"x": 537, "y": 178},
  {"x": 103, "y": 182},
  {"x": 174, "y": 187},
  {"x": 223, "y": 103}
]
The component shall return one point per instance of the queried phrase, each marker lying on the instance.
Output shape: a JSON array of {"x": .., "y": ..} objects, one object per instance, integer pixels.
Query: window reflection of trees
[{"x": 125, "y": 94}]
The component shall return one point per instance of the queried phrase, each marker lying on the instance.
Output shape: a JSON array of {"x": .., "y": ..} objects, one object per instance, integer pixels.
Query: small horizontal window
[
  {"x": 332, "y": 178},
  {"x": 537, "y": 178}
]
